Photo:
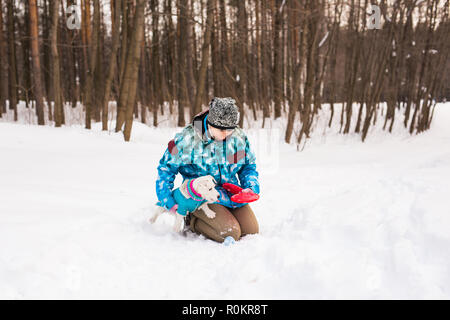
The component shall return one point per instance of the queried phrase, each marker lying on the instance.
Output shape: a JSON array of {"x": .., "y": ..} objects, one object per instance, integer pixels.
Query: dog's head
[{"x": 206, "y": 187}]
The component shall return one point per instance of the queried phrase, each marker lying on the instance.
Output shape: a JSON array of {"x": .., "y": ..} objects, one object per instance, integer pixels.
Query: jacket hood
[{"x": 198, "y": 125}]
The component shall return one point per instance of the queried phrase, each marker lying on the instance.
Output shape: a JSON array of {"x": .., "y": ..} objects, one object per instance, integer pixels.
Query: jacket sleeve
[
  {"x": 167, "y": 171},
  {"x": 248, "y": 176},
  {"x": 224, "y": 198}
]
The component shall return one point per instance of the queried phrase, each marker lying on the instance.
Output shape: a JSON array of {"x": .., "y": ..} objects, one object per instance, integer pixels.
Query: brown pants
[{"x": 228, "y": 222}]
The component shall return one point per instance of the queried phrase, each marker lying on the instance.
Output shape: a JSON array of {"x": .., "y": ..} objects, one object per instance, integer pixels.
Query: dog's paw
[
  {"x": 178, "y": 228},
  {"x": 157, "y": 211},
  {"x": 208, "y": 212},
  {"x": 211, "y": 214},
  {"x": 179, "y": 223}
]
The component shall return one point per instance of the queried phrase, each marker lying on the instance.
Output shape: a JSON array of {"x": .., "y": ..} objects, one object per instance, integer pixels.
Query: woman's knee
[
  {"x": 247, "y": 220},
  {"x": 224, "y": 224}
]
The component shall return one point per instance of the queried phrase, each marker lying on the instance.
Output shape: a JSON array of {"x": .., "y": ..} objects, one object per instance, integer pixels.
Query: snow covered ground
[{"x": 342, "y": 219}]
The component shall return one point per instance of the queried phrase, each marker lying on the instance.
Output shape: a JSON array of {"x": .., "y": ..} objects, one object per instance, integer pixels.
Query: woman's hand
[
  {"x": 232, "y": 188},
  {"x": 240, "y": 195},
  {"x": 245, "y": 196}
]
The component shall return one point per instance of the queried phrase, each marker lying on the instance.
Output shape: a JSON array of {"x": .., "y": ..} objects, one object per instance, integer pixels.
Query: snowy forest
[
  {"x": 338, "y": 122},
  {"x": 276, "y": 58}
]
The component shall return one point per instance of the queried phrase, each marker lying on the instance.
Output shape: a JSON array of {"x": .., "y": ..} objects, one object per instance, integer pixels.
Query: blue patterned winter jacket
[{"x": 193, "y": 153}]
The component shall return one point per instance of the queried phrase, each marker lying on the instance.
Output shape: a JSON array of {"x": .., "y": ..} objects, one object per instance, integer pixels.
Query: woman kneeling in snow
[{"x": 212, "y": 145}]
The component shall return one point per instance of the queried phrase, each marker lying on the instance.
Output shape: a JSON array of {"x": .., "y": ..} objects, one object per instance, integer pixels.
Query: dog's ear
[{"x": 205, "y": 184}]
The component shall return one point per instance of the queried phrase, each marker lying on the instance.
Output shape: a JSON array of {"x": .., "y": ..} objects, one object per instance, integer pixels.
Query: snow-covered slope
[{"x": 342, "y": 219}]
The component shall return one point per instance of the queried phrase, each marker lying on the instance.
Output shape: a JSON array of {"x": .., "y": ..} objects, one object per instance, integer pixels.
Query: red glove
[{"x": 240, "y": 195}]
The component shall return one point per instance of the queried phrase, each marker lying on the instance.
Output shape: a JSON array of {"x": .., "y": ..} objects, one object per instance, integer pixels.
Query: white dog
[{"x": 193, "y": 194}]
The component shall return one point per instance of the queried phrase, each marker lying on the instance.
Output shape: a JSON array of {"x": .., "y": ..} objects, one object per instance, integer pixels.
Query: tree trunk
[
  {"x": 297, "y": 73},
  {"x": 130, "y": 78},
  {"x": 56, "y": 76},
  {"x": 112, "y": 63},
  {"x": 215, "y": 56},
  {"x": 266, "y": 64},
  {"x": 188, "y": 38},
  {"x": 88, "y": 89},
  {"x": 182, "y": 34},
  {"x": 85, "y": 40},
  {"x": 171, "y": 56},
  {"x": 38, "y": 92},
  {"x": 3, "y": 66},
  {"x": 99, "y": 73},
  {"x": 311, "y": 33},
  {"x": 156, "y": 68},
  {"x": 278, "y": 59},
  {"x": 205, "y": 57},
  {"x": 44, "y": 51},
  {"x": 242, "y": 60}
]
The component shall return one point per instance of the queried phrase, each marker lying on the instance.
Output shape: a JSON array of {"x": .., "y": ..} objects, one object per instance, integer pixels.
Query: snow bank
[{"x": 342, "y": 219}]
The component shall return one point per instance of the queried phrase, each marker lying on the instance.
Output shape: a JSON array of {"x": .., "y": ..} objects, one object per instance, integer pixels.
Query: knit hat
[{"x": 223, "y": 113}]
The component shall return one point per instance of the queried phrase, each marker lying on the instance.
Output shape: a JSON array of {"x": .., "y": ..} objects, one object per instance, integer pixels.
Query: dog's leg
[
  {"x": 209, "y": 213},
  {"x": 179, "y": 220},
  {"x": 179, "y": 223},
  {"x": 156, "y": 213}
]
